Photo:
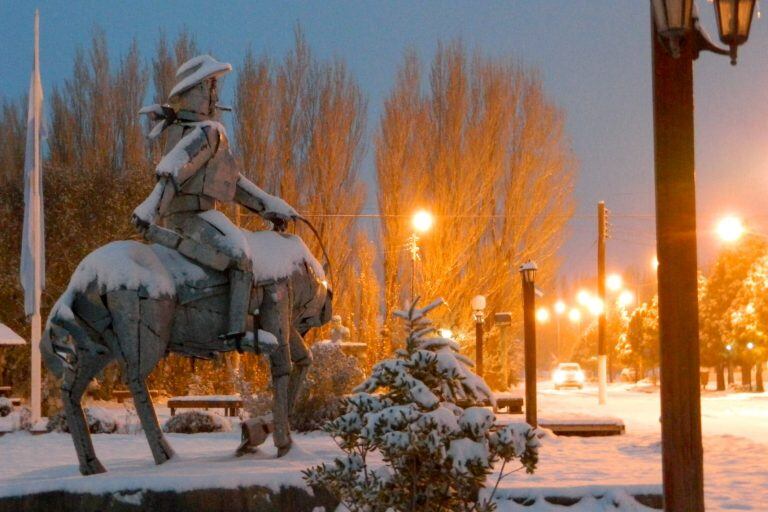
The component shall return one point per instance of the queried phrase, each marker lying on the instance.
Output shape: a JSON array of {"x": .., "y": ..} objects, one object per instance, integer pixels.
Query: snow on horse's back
[{"x": 158, "y": 270}]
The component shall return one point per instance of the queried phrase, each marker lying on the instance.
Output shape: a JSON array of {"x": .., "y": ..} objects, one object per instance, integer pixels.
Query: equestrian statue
[{"x": 202, "y": 286}]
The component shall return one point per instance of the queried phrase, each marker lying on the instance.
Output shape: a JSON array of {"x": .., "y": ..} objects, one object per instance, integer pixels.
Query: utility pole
[
  {"x": 682, "y": 451},
  {"x": 601, "y": 352}
]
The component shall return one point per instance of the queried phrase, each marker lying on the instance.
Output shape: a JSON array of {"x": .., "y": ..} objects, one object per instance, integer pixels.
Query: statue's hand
[
  {"x": 141, "y": 224},
  {"x": 278, "y": 220}
]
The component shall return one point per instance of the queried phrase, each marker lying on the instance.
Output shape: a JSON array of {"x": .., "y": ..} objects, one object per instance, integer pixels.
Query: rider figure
[{"x": 196, "y": 172}]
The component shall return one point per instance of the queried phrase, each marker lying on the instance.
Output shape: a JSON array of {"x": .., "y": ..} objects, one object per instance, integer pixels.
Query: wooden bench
[
  {"x": 513, "y": 404},
  {"x": 230, "y": 403},
  {"x": 122, "y": 394},
  {"x": 596, "y": 428}
]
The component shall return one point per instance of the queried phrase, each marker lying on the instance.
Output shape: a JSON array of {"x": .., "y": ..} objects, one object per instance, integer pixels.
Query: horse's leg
[
  {"x": 302, "y": 360},
  {"x": 161, "y": 449},
  {"x": 274, "y": 315},
  {"x": 73, "y": 387},
  {"x": 141, "y": 348}
]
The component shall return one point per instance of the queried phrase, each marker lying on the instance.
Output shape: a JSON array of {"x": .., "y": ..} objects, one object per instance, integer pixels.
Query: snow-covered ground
[
  {"x": 735, "y": 428},
  {"x": 735, "y": 442}
]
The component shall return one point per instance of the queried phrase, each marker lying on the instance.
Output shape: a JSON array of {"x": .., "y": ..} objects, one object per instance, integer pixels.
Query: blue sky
[{"x": 594, "y": 57}]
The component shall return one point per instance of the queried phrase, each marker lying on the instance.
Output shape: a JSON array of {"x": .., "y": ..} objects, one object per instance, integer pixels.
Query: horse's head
[{"x": 313, "y": 299}]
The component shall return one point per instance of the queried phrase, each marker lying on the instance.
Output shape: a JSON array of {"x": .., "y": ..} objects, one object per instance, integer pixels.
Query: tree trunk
[
  {"x": 760, "y": 388},
  {"x": 746, "y": 377},
  {"x": 720, "y": 371},
  {"x": 730, "y": 374}
]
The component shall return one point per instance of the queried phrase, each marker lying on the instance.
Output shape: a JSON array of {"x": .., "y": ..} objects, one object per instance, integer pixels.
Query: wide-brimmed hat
[{"x": 195, "y": 70}]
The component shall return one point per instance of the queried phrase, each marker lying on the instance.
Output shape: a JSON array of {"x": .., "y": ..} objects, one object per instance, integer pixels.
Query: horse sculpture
[{"x": 135, "y": 303}]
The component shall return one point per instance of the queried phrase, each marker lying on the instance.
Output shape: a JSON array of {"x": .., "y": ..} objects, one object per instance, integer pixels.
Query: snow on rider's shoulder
[{"x": 180, "y": 155}]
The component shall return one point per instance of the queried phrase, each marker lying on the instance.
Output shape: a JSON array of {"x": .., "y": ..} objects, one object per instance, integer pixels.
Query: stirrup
[{"x": 237, "y": 337}]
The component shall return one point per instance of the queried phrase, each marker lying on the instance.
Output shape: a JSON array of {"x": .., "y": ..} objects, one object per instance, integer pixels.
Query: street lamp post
[
  {"x": 421, "y": 222},
  {"x": 677, "y": 41},
  {"x": 478, "y": 308},
  {"x": 528, "y": 274}
]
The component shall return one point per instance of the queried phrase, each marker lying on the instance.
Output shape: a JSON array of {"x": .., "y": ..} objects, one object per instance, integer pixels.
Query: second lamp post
[
  {"x": 528, "y": 273},
  {"x": 478, "y": 308}
]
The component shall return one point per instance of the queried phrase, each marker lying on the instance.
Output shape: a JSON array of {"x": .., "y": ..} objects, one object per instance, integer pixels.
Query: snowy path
[
  {"x": 735, "y": 442},
  {"x": 735, "y": 430}
]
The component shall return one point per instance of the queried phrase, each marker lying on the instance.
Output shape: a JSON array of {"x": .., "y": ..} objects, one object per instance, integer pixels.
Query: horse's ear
[{"x": 327, "y": 269}]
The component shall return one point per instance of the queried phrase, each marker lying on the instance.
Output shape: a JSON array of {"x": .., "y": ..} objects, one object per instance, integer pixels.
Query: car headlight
[
  {"x": 559, "y": 377},
  {"x": 580, "y": 376}
]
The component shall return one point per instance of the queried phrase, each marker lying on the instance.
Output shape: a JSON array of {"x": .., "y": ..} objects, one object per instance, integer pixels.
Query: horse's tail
[
  {"x": 53, "y": 361},
  {"x": 56, "y": 346},
  {"x": 64, "y": 334}
]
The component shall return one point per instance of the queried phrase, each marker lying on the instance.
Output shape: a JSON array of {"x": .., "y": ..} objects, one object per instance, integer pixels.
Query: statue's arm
[
  {"x": 155, "y": 205},
  {"x": 189, "y": 155},
  {"x": 269, "y": 207}
]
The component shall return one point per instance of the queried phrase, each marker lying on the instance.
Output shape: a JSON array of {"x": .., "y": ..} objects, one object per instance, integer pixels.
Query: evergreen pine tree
[{"x": 420, "y": 411}]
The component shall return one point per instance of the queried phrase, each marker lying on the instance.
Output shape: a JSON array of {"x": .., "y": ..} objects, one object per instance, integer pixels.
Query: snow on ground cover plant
[{"x": 421, "y": 412}]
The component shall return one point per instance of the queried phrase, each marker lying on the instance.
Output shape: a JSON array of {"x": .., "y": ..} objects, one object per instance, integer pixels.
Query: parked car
[
  {"x": 568, "y": 375},
  {"x": 628, "y": 375}
]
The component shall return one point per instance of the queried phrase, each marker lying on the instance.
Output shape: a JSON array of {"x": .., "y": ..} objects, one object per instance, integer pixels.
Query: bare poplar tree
[
  {"x": 299, "y": 127},
  {"x": 482, "y": 147},
  {"x": 13, "y": 140}
]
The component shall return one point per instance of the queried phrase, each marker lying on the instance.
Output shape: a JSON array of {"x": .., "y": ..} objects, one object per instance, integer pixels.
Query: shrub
[
  {"x": 6, "y": 406},
  {"x": 331, "y": 377},
  {"x": 195, "y": 422},
  {"x": 99, "y": 420}
]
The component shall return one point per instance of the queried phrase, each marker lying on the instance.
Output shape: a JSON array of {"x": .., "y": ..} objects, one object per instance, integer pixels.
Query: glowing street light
[
  {"x": 614, "y": 282},
  {"x": 730, "y": 229},
  {"x": 583, "y": 297},
  {"x": 422, "y": 221},
  {"x": 446, "y": 333},
  {"x": 574, "y": 315},
  {"x": 750, "y": 345},
  {"x": 596, "y": 306},
  {"x": 542, "y": 315},
  {"x": 560, "y": 307},
  {"x": 654, "y": 263},
  {"x": 626, "y": 298}
]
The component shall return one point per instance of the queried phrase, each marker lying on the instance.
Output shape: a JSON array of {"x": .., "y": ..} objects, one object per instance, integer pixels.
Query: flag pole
[
  {"x": 36, "y": 377},
  {"x": 33, "y": 245}
]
